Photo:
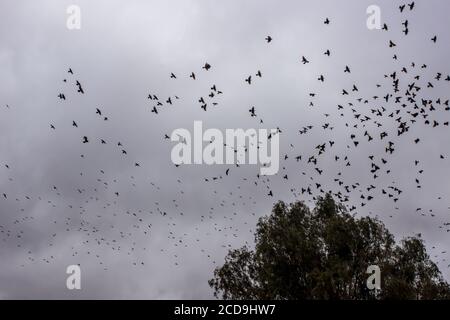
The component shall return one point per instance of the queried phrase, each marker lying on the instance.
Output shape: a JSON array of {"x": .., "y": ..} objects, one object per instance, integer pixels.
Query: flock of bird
[{"x": 404, "y": 102}]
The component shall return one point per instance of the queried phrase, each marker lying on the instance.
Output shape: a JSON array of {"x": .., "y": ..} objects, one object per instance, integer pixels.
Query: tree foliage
[{"x": 324, "y": 254}]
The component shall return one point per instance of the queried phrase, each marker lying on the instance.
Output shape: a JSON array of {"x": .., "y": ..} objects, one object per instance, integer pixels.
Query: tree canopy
[{"x": 324, "y": 253}]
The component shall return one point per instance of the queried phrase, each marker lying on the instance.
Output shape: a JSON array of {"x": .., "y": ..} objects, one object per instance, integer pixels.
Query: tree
[{"x": 324, "y": 253}]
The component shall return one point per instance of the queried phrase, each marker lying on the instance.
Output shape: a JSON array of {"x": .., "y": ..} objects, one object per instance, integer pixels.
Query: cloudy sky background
[{"x": 126, "y": 50}]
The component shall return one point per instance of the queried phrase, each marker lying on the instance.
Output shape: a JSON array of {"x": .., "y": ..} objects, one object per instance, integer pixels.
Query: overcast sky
[{"x": 162, "y": 237}]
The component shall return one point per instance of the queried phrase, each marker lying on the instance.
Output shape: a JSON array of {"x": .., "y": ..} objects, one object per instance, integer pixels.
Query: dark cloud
[{"x": 126, "y": 50}]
